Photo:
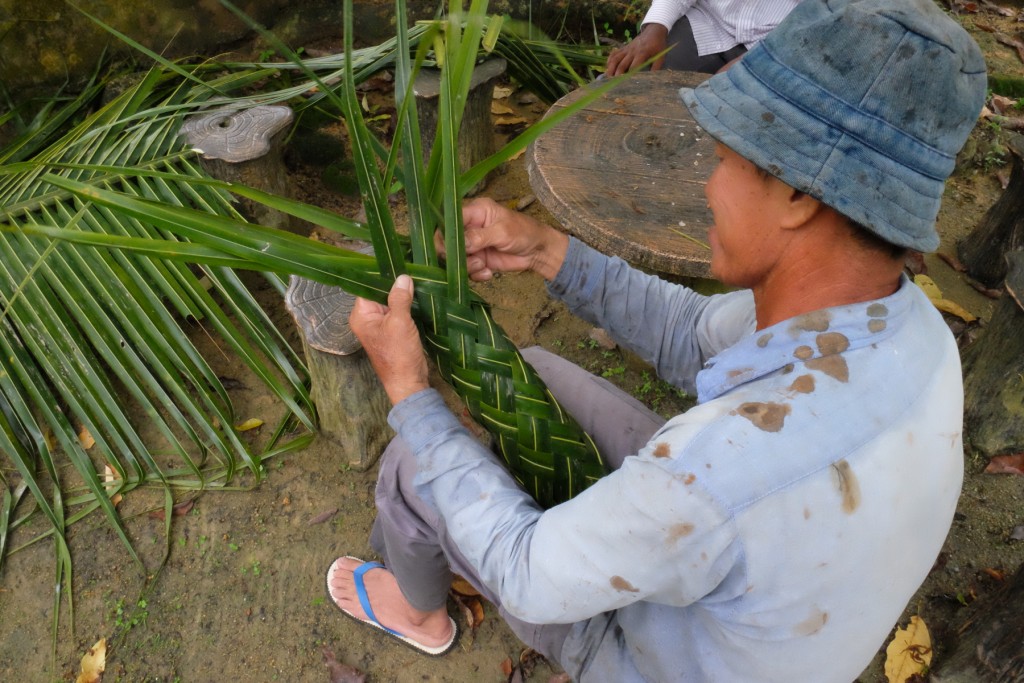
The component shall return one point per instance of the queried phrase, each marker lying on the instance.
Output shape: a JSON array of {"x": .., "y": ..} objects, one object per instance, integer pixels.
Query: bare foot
[{"x": 433, "y": 629}]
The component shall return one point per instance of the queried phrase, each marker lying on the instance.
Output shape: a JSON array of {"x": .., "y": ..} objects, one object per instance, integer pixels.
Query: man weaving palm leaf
[{"x": 776, "y": 531}]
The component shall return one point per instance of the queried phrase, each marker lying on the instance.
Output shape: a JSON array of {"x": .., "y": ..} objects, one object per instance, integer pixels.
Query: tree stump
[
  {"x": 351, "y": 403},
  {"x": 1002, "y": 228},
  {"x": 476, "y": 134},
  {"x": 992, "y": 648},
  {"x": 994, "y": 372},
  {"x": 242, "y": 146}
]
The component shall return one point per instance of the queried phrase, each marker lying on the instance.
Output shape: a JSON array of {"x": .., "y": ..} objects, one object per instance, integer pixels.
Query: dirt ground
[{"x": 242, "y": 595}]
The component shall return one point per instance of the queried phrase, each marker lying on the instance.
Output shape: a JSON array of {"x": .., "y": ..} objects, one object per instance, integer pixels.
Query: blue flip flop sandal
[{"x": 364, "y": 602}]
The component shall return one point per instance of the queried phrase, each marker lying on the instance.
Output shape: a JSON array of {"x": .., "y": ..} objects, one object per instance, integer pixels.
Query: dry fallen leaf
[
  {"x": 109, "y": 477},
  {"x": 1003, "y": 104},
  {"x": 85, "y": 438},
  {"x": 177, "y": 510},
  {"x": 251, "y": 423},
  {"x": 1010, "y": 41},
  {"x": 339, "y": 672},
  {"x": 910, "y": 652},
  {"x": 93, "y": 663},
  {"x": 499, "y": 109},
  {"x": 1012, "y": 463},
  {"x": 935, "y": 296},
  {"x": 463, "y": 587},
  {"x": 472, "y": 610},
  {"x": 501, "y": 92}
]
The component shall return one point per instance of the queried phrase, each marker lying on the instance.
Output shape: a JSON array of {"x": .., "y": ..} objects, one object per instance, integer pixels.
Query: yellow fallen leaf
[
  {"x": 463, "y": 587},
  {"x": 251, "y": 423},
  {"x": 110, "y": 476},
  {"x": 501, "y": 92},
  {"x": 499, "y": 109},
  {"x": 85, "y": 438},
  {"x": 934, "y": 295},
  {"x": 909, "y": 653},
  {"x": 93, "y": 663},
  {"x": 956, "y": 309}
]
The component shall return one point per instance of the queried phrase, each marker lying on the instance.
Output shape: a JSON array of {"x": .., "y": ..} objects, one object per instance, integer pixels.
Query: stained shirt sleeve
[
  {"x": 579, "y": 558},
  {"x": 670, "y": 326}
]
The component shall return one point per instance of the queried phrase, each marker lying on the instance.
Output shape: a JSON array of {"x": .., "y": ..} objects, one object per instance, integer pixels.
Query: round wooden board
[{"x": 627, "y": 173}]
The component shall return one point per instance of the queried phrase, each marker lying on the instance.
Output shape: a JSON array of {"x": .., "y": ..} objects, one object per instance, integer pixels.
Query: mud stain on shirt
[
  {"x": 815, "y": 321},
  {"x": 831, "y": 343},
  {"x": 812, "y": 624},
  {"x": 849, "y": 487},
  {"x": 662, "y": 450},
  {"x": 767, "y": 416},
  {"x": 877, "y": 310},
  {"x": 677, "y": 531},
  {"x": 620, "y": 584},
  {"x": 763, "y": 340},
  {"x": 875, "y": 325},
  {"x": 804, "y": 384},
  {"x": 833, "y": 366}
]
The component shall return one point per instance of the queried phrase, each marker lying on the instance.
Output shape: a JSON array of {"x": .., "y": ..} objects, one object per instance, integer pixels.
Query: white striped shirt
[{"x": 722, "y": 24}]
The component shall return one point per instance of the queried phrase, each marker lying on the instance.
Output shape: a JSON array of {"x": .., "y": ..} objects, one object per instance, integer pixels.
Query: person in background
[
  {"x": 775, "y": 532},
  {"x": 705, "y": 35}
]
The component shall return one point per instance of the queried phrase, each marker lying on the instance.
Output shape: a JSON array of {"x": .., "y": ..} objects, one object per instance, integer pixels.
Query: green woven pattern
[{"x": 544, "y": 448}]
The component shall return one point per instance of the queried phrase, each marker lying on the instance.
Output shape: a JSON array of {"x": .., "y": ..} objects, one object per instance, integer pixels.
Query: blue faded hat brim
[
  {"x": 882, "y": 171},
  {"x": 786, "y": 140}
]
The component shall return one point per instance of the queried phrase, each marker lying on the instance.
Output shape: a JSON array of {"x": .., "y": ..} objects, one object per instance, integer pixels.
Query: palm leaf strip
[{"x": 542, "y": 445}]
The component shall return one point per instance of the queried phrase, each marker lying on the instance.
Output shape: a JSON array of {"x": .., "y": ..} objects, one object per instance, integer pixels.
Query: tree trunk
[
  {"x": 244, "y": 147},
  {"x": 992, "y": 648},
  {"x": 1002, "y": 228},
  {"x": 994, "y": 372},
  {"x": 476, "y": 134},
  {"x": 350, "y": 402}
]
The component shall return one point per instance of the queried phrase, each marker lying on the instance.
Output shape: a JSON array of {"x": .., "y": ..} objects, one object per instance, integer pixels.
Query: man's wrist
[
  {"x": 655, "y": 27},
  {"x": 398, "y": 392},
  {"x": 551, "y": 257}
]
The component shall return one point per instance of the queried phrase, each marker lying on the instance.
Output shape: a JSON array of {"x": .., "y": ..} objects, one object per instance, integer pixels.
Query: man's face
[{"x": 745, "y": 238}]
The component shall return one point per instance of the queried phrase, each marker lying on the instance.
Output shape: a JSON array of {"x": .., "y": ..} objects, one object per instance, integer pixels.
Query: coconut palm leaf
[
  {"x": 91, "y": 338},
  {"x": 541, "y": 444}
]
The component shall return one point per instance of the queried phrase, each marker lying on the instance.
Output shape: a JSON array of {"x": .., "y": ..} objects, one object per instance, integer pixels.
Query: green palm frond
[
  {"x": 91, "y": 337},
  {"x": 542, "y": 445}
]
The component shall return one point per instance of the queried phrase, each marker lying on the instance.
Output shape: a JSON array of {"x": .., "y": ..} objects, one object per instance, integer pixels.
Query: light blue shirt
[
  {"x": 774, "y": 532},
  {"x": 719, "y": 25}
]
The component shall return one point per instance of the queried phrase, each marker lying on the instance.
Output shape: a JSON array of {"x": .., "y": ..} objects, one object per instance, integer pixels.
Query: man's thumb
[{"x": 400, "y": 296}]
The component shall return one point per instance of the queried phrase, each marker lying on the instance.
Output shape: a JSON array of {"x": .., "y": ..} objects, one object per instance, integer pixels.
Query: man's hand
[
  {"x": 391, "y": 341},
  {"x": 651, "y": 40},
  {"x": 501, "y": 240}
]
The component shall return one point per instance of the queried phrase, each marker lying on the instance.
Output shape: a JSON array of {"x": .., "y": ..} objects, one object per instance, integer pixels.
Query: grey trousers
[
  {"x": 412, "y": 538},
  {"x": 683, "y": 55}
]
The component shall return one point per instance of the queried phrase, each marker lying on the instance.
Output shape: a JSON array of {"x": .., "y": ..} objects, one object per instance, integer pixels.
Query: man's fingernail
[{"x": 404, "y": 281}]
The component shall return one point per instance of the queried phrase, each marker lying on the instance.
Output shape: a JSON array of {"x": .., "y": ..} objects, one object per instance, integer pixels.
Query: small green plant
[
  {"x": 614, "y": 371},
  {"x": 253, "y": 568},
  {"x": 126, "y": 617}
]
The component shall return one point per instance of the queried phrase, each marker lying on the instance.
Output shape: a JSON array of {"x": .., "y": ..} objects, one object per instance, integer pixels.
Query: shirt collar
[{"x": 817, "y": 338}]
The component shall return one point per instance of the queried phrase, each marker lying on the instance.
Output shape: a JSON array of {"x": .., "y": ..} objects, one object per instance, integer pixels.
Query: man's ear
[{"x": 800, "y": 207}]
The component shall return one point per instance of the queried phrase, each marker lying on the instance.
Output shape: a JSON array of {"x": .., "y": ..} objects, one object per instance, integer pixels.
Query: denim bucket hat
[{"x": 863, "y": 104}]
